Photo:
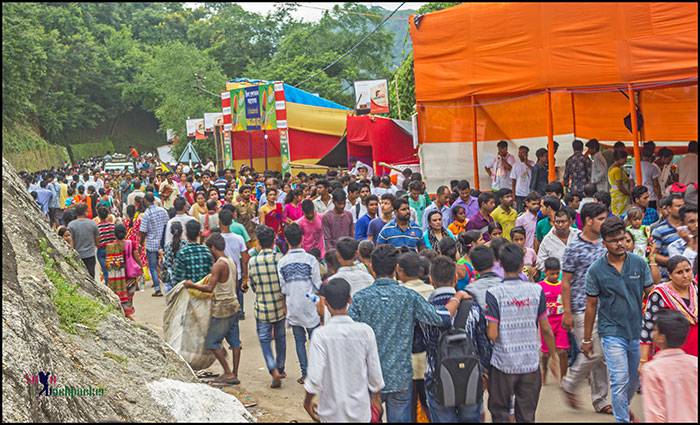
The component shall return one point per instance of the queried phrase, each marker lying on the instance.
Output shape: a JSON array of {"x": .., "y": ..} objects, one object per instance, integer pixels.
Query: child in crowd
[
  {"x": 517, "y": 235},
  {"x": 589, "y": 191},
  {"x": 459, "y": 224},
  {"x": 364, "y": 251},
  {"x": 555, "y": 313},
  {"x": 495, "y": 230},
  {"x": 639, "y": 232}
]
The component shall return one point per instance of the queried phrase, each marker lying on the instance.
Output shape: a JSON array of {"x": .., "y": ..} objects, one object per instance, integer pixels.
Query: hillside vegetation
[{"x": 75, "y": 71}]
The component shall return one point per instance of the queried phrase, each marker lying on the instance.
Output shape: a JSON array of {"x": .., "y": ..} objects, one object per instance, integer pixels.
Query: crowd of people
[{"x": 592, "y": 277}]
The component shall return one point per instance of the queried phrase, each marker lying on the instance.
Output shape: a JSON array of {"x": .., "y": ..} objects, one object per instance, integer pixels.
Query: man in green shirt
[{"x": 416, "y": 199}]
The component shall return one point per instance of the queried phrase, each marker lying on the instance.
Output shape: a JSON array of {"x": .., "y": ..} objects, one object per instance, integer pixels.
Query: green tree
[
  {"x": 167, "y": 82},
  {"x": 402, "y": 82},
  {"x": 307, "y": 48}
]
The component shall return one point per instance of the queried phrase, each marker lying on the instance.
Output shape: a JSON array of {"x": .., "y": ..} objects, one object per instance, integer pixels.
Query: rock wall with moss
[
  {"x": 27, "y": 150},
  {"x": 56, "y": 318}
]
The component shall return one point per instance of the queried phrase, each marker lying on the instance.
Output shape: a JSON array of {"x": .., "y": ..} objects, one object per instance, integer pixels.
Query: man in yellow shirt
[{"x": 505, "y": 214}]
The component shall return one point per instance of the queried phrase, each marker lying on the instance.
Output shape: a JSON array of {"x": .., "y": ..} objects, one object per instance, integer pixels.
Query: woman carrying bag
[{"x": 124, "y": 267}]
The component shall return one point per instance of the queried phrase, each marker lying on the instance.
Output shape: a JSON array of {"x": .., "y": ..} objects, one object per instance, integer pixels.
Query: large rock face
[{"x": 120, "y": 356}]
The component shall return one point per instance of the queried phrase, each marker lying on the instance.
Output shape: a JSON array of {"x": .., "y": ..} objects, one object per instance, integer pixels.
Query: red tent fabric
[{"x": 375, "y": 139}]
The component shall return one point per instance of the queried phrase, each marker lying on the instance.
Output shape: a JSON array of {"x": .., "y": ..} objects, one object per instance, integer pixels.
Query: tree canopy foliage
[{"x": 69, "y": 66}]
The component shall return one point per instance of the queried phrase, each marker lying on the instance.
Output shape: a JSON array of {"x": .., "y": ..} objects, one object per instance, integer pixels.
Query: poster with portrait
[
  {"x": 371, "y": 97},
  {"x": 268, "y": 111},
  {"x": 238, "y": 110},
  {"x": 211, "y": 120},
  {"x": 195, "y": 129}
]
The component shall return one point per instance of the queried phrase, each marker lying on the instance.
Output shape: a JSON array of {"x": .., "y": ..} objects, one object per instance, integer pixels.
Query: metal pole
[
  {"x": 635, "y": 134},
  {"x": 250, "y": 149},
  {"x": 573, "y": 114},
  {"x": 265, "y": 139},
  {"x": 552, "y": 173},
  {"x": 475, "y": 138}
]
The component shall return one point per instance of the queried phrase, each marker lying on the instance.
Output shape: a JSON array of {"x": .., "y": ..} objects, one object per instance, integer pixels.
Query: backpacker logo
[{"x": 49, "y": 388}]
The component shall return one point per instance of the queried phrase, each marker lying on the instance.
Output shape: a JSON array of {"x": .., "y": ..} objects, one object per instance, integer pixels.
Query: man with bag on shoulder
[
  {"x": 444, "y": 278},
  {"x": 224, "y": 309}
]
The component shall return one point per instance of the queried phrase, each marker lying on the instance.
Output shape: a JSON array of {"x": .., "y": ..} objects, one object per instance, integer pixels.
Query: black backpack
[{"x": 457, "y": 377}]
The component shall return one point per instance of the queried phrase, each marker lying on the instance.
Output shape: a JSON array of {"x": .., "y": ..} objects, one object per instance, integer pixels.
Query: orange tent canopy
[
  {"x": 496, "y": 48},
  {"x": 501, "y": 59}
]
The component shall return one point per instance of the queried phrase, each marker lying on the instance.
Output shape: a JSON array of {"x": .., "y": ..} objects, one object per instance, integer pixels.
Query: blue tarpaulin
[{"x": 296, "y": 95}]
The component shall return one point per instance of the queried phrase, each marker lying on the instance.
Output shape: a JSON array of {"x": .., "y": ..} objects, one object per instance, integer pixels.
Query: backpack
[{"x": 457, "y": 377}]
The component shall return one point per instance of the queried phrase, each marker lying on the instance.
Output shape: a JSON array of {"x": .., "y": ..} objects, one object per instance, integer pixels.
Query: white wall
[{"x": 442, "y": 162}]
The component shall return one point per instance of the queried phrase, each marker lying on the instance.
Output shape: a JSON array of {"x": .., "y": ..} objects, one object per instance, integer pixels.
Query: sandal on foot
[
  {"x": 219, "y": 382},
  {"x": 276, "y": 383},
  {"x": 300, "y": 381},
  {"x": 606, "y": 410}
]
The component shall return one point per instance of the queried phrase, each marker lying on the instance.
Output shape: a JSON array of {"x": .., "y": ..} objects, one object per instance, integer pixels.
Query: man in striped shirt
[
  {"x": 401, "y": 231},
  {"x": 221, "y": 184}
]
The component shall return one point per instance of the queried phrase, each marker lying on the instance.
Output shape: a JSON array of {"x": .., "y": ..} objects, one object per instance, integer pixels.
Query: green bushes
[
  {"x": 27, "y": 150},
  {"x": 87, "y": 150},
  {"x": 72, "y": 307}
]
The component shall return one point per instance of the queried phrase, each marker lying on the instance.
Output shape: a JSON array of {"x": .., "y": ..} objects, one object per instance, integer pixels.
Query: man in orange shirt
[{"x": 134, "y": 155}]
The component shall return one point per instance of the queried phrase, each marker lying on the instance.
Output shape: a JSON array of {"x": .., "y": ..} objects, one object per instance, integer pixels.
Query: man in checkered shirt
[
  {"x": 270, "y": 310},
  {"x": 193, "y": 261},
  {"x": 152, "y": 230}
]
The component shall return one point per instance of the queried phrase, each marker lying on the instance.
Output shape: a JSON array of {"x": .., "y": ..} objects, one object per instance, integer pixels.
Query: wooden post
[
  {"x": 635, "y": 135},
  {"x": 552, "y": 173},
  {"x": 475, "y": 153}
]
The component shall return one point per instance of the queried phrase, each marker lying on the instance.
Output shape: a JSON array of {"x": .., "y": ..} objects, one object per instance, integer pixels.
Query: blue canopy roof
[{"x": 296, "y": 95}]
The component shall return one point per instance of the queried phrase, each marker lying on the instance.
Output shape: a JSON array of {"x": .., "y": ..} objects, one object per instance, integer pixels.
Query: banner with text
[{"x": 252, "y": 107}]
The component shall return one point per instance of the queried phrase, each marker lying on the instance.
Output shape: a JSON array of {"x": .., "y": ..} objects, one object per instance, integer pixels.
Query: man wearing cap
[{"x": 344, "y": 368}]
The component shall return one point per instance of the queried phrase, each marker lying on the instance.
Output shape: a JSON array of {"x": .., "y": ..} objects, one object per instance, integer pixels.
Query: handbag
[{"x": 133, "y": 270}]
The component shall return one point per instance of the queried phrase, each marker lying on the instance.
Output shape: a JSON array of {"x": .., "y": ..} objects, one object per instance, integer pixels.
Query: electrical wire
[{"x": 353, "y": 47}]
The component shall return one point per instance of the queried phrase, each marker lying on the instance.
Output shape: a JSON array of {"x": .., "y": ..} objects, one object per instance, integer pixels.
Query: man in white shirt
[
  {"x": 688, "y": 165},
  {"x": 554, "y": 243},
  {"x": 599, "y": 166},
  {"x": 323, "y": 202},
  {"x": 181, "y": 216},
  {"x": 499, "y": 170},
  {"x": 354, "y": 203},
  {"x": 344, "y": 368},
  {"x": 300, "y": 278},
  {"x": 650, "y": 174},
  {"x": 520, "y": 175}
]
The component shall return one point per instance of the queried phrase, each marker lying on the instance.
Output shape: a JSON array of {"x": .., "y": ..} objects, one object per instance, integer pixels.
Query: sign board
[
  {"x": 189, "y": 155},
  {"x": 212, "y": 119},
  {"x": 284, "y": 152},
  {"x": 252, "y": 107},
  {"x": 372, "y": 97},
  {"x": 228, "y": 153},
  {"x": 195, "y": 128}
]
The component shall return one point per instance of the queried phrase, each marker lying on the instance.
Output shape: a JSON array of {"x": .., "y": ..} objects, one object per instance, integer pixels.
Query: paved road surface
[{"x": 286, "y": 404}]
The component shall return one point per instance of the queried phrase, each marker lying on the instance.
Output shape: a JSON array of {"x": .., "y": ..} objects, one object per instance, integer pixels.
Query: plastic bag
[{"x": 185, "y": 326}]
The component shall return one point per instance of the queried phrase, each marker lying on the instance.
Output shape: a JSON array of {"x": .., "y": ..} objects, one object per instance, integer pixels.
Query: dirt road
[{"x": 286, "y": 404}]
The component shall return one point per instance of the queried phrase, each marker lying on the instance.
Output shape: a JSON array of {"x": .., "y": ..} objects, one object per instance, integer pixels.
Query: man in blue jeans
[
  {"x": 270, "y": 308},
  {"x": 300, "y": 280},
  {"x": 390, "y": 310},
  {"x": 152, "y": 230},
  {"x": 615, "y": 285}
]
